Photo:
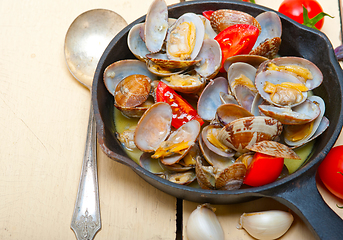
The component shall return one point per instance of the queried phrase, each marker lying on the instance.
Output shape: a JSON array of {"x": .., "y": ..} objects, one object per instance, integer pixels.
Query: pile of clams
[{"x": 261, "y": 103}]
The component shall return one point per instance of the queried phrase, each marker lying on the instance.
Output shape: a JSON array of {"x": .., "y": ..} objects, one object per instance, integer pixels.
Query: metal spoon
[{"x": 85, "y": 41}]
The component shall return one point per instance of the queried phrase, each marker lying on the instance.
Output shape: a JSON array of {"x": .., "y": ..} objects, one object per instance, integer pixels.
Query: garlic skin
[
  {"x": 203, "y": 224},
  {"x": 266, "y": 225}
]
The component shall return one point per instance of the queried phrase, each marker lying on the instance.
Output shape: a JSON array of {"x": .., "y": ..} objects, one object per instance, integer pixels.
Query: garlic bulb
[
  {"x": 203, "y": 224},
  {"x": 266, "y": 225}
]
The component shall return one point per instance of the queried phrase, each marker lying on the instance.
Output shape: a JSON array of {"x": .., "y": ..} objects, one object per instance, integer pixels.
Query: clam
[
  {"x": 297, "y": 135},
  {"x": 211, "y": 56},
  {"x": 185, "y": 83},
  {"x": 209, "y": 32},
  {"x": 269, "y": 40},
  {"x": 254, "y": 60},
  {"x": 229, "y": 178},
  {"x": 210, "y": 100},
  {"x": 185, "y": 37},
  {"x": 183, "y": 138},
  {"x": 301, "y": 114},
  {"x": 162, "y": 60},
  {"x": 156, "y": 25},
  {"x": 153, "y": 127},
  {"x": 229, "y": 112},
  {"x": 131, "y": 95},
  {"x": 162, "y": 71},
  {"x": 306, "y": 71},
  {"x": 135, "y": 42},
  {"x": 280, "y": 88},
  {"x": 119, "y": 70},
  {"x": 246, "y": 131},
  {"x": 224, "y": 18},
  {"x": 273, "y": 148},
  {"x": 208, "y": 140},
  {"x": 241, "y": 81}
]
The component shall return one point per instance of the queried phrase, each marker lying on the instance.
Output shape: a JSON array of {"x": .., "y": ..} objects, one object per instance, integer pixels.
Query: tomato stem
[{"x": 310, "y": 22}]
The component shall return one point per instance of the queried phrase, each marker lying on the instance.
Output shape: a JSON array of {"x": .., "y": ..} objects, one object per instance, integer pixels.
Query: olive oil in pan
[{"x": 124, "y": 123}]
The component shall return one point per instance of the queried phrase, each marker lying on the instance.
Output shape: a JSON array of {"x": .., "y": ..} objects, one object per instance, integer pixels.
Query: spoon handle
[{"x": 86, "y": 220}]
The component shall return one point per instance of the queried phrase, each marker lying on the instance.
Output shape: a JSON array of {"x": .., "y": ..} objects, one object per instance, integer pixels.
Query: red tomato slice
[
  {"x": 182, "y": 110},
  {"x": 236, "y": 39},
  {"x": 331, "y": 171},
  {"x": 207, "y": 14},
  {"x": 263, "y": 169}
]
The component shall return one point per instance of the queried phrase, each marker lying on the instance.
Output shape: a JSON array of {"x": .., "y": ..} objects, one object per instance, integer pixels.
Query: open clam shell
[
  {"x": 278, "y": 77},
  {"x": 185, "y": 83},
  {"x": 180, "y": 46},
  {"x": 163, "y": 60},
  {"x": 206, "y": 145},
  {"x": 156, "y": 25},
  {"x": 290, "y": 63},
  {"x": 161, "y": 71},
  {"x": 269, "y": 40},
  {"x": 246, "y": 131},
  {"x": 153, "y": 127},
  {"x": 135, "y": 42},
  {"x": 301, "y": 114},
  {"x": 229, "y": 112},
  {"x": 210, "y": 100},
  {"x": 211, "y": 56},
  {"x": 119, "y": 70},
  {"x": 317, "y": 122},
  {"x": 188, "y": 132}
]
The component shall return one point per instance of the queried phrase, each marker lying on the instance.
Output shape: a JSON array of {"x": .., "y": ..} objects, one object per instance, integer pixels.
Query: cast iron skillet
[{"x": 297, "y": 191}]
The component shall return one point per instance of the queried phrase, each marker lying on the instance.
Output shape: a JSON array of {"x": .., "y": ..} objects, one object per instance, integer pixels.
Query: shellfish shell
[{"x": 246, "y": 131}]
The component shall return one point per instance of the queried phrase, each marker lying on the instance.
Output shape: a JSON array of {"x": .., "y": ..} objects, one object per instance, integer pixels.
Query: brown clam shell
[
  {"x": 268, "y": 48},
  {"x": 232, "y": 177},
  {"x": 246, "y": 131},
  {"x": 273, "y": 148},
  {"x": 132, "y": 91},
  {"x": 224, "y": 18}
]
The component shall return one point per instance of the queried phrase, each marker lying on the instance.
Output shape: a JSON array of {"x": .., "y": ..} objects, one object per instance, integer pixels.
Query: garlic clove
[
  {"x": 203, "y": 224},
  {"x": 266, "y": 225}
]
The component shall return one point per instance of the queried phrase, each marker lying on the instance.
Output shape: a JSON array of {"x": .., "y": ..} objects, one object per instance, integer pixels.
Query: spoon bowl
[{"x": 85, "y": 41}]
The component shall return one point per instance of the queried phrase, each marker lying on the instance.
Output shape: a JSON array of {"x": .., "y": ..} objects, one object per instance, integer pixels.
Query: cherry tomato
[
  {"x": 236, "y": 39},
  {"x": 182, "y": 110},
  {"x": 207, "y": 14},
  {"x": 263, "y": 169},
  {"x": 294, "y": 10},
  {"x": 331, "y": 171}
]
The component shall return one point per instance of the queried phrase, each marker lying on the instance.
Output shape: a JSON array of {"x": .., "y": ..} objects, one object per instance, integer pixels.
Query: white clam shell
[
  {"x": 270, "y": 27},
  {"x": 210, "y": 100},
  {"x": 303, "y": 113},
  {"x": 187, "y": 132},
  {"x": 135, "y": 42},
  {"x": 200, "y": 33},
  {"x": 302, "y": 62},
  {"x": 275, "y": 77},
  {"x": 211, "y": 56},
  {"x": 156, "y": 25},
  {"x": 317, "y": 122},
  {"x": 153, "y": 127}
]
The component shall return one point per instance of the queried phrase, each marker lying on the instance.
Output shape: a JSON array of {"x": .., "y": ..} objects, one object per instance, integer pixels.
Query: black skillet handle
[{"x": 302, "y": 197}]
